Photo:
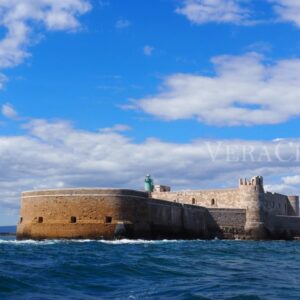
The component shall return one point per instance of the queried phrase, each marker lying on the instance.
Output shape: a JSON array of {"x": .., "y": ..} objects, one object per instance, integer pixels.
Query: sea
[{"x": 139, "y": 269}]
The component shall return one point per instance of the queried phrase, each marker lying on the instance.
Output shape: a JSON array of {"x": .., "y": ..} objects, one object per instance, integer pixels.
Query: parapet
[
  {"x": 254, "y": 181},
  {"x": 81, "y": 192},
  {"x": 257, "y": 182}
]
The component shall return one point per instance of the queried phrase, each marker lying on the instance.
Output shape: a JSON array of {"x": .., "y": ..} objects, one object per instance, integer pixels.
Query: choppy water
[{"x": 149, "y": 270}]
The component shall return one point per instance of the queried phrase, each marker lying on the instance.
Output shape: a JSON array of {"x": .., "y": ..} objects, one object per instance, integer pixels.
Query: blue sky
[{"x": 99, "y": 93}]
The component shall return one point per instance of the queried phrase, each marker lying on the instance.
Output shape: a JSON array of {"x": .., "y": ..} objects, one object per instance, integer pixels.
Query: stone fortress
[{"x": 247, "y": 212}]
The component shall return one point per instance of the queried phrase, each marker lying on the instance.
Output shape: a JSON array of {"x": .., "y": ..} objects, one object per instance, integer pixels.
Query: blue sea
[{"x": 149, "y": 269}]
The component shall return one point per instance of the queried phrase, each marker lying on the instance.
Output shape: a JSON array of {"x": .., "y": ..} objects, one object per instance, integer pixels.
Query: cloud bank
[
  {"x": 245, "y": 90},
  {"x": 54, "y": 154}
]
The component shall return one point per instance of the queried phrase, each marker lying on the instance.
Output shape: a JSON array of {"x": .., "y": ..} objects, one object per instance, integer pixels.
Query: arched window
[
  {"x": 193, "y": 201},
  {"x": 40, "y": 220},
  {"x": 213, "y": 202}
]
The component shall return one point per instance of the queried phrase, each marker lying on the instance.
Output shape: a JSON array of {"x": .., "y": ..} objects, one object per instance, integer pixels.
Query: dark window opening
[
  {"x": 193, "y": 201},
  {"x": 40, "y": 220},
  {"x": 213, "y": 202},
  {"x": 21, "y": 220},
  {"x": 108, "y": 219},
  {"x": 73, "y": 220}
]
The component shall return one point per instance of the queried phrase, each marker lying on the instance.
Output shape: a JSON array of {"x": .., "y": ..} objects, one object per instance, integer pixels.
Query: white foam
[
  {"x": 109, "y": 242},
  {"x": 30, "y": 242},
  {"x": 140, "y": 241}
]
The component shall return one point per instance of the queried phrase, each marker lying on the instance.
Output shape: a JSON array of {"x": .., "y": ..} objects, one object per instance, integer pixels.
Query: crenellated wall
[{"x": 249, "y": 196}]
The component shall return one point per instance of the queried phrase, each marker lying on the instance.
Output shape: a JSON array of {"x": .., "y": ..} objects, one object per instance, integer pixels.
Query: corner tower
[{"x": 252, "y": 197}]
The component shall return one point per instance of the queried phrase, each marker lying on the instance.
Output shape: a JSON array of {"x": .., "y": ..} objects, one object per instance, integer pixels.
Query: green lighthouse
[{"x": 149, "y": 187}]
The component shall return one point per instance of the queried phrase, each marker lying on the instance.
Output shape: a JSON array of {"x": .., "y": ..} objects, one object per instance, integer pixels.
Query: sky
[{"x": 99, "y": 93}]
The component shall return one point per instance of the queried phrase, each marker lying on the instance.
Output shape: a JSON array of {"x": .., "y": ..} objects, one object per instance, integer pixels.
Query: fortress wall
[
  {"x": 176, "y": 220},
  {"x": 228, "y": 220},
  {"x": 276, "y": 204},
  {"x": 229, "y": 198},
  {"x": 106, "y": 213},
  {"x": 48, "y": 214},
  {"x": 283, "y": 226}
]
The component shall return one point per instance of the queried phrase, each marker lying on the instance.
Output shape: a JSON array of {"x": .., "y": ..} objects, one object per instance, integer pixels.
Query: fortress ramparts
[{"x": 247, "y": 212}]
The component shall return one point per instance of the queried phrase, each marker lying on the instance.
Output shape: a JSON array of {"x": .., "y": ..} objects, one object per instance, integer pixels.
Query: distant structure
[{"x": 247, "y": 212}]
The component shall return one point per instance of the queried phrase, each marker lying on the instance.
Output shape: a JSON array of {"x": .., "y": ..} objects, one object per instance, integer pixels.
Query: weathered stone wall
[
  {"x": 111, "y": 213},
  {"x": 227, "y": 198},
  {"x": 176, "y": 220},
  {"x": 50, "y": 214},
  {"x": 249, "y": 196},
  {"x": 283, "y": 226},
  {"x": 106, "y": 213},
  {"x": 276, "y": 204},
  {"x": 227, "y": 221}
]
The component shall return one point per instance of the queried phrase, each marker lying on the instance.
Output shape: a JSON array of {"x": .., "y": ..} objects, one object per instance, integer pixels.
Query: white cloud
[
  {"x": 116, "y": 128},
  {"x": 148, "y": 50},
  {"x": 288, "y": 10},
  {"x": 55, "y": 154},
  {"x": 122, "y": 23},
  {"x": 237, "y": 12},
  {"x": 244, "y": 91},
  {"x": 292, "y": 180},
  {"x": 20, "y": 18},
  {"x": 219, "y": 11},
  {"x": 9, "y": 111}
]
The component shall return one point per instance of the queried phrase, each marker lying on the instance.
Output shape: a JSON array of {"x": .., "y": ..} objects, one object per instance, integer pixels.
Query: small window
[
  {"x": 193, "y": 201},
  {"x": 73, "y": 220},
  {"x": 213, "y": 201},
  {"x": 40, "y": 220},
  {"x": 21, "y": 220},
  {"x": 108, "y": 219}
]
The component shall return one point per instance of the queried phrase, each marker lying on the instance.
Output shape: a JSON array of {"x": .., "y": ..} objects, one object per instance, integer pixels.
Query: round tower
[
  {"x": 293, "y": 208},
  {"x": 252, "y": 197}
]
